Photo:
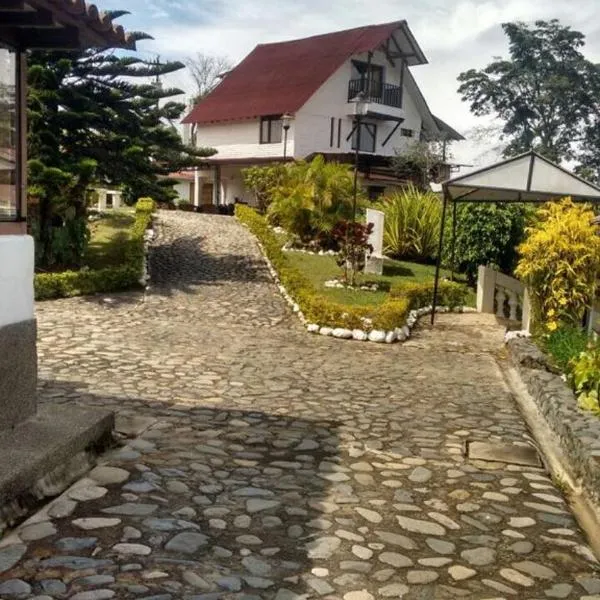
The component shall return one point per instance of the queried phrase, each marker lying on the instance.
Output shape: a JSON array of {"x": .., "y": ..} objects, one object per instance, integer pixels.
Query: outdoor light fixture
[
  {"x": 361, "y": 106},
  {"x": 286, "y": 121}
]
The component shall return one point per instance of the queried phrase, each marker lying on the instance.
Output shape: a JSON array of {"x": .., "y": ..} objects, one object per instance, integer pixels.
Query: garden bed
[
  {"x": 387, "y": 320},
  {"x": 578, "y": 431},
  {"x": 129, "y": 273}
]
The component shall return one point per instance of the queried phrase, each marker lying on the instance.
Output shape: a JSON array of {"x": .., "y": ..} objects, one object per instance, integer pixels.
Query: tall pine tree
[{"x": 98, "y": 116}]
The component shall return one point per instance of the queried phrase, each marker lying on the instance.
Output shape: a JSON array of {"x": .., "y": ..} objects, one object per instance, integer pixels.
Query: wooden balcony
[{"x": 386, "y": 93}]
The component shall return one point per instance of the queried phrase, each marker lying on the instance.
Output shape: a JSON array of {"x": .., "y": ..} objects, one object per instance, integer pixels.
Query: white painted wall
[
  {"x": 16, "y": 279},
  {"x": 313, "y": 120},
  {"x": 240, "y": 140},
  {"x": 183, "y": 189}
]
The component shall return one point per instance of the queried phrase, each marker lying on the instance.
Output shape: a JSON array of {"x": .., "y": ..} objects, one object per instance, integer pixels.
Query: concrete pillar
[
  {"x": 216, "y": 185},
  {"x": 197, "y": 187},
  {"x": 486, "y": 289},
  {"x": 526, "y": 311},
  {"x": 18, "y": 357}
]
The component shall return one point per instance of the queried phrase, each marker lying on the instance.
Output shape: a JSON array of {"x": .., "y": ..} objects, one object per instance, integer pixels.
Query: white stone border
[{"x": 399, "y": 334}]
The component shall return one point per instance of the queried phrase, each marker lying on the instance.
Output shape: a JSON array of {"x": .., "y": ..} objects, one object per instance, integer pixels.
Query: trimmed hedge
[
  {"x": 316, "y": 307},
  {"x": 419, "y": 295},
  {"x": 126, "y": 276}
]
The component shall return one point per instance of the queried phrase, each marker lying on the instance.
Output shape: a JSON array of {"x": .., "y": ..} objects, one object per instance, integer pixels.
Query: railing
[
  {"x": 503, "y": 296},
  {"x": 387, "y": 94}
]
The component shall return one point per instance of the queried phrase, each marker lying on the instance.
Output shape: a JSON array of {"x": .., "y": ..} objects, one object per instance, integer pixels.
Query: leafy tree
[
  {"x": 544, "y": 93},
  {"x": 262, "y": 181},
  {"x": 420, "y": 163},
  {"x": 206, "y": 70},
  {"x": 486, "y": 234},
  {"x": 94, "y": 117}
]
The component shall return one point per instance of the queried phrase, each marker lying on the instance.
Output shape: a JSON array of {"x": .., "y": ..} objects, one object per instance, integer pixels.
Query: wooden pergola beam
[{"x": 15, "y": 18}]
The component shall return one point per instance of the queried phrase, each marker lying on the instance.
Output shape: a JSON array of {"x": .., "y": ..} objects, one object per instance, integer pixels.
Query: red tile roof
[{"x": 279, "y": 78}]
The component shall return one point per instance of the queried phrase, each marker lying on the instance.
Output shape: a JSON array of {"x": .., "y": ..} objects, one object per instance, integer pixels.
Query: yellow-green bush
[
  {"x": 316, "y": 307},
  {"x": 450, "y": 294},
  {"x": 80, "y": 283},
  {"x": 560, "y": 263}
]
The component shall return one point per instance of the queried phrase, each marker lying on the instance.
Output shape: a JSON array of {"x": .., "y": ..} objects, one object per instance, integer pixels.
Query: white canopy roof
[{"x": 526, "y": 178}]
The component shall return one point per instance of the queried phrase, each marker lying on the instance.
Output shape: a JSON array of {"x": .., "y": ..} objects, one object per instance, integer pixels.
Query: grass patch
[
  {"x": 110, "y": 240},
  {"x": 319, "y": 269}
]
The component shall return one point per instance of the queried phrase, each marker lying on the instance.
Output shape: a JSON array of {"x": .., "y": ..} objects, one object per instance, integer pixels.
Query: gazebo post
[
  {"x": 439, "y": 256},
  {"x": 453, "y": 240}
]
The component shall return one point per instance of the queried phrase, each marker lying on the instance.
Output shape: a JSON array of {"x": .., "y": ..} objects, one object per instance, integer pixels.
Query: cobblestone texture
[{"x": 283, "y": 465}]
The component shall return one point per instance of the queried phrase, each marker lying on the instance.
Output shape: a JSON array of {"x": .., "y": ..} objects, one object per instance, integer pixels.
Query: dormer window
[{"x": 271, "y": 129}]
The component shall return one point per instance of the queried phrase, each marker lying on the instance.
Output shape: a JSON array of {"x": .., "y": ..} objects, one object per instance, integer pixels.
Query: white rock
[
  {"x": 400, "y": 335},
  {"x": 325, "y": 331},
  {"x": 390, "y": 337},
  {"x": 344, "y": 334},
  {"x": 296, "y": 308},
  {"x": 313, "y": 328},
  {"x": 359, "y": 335},
  {"x": 377, "y": 336},
  {"x": 406, "y": 331}
]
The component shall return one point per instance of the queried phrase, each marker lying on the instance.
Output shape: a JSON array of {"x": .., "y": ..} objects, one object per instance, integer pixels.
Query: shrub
[
  {"x": 317, "y": 308},
  {"x": 486, "y": 234},
  {"x": 412, "y": 224},
  {"x": 585, "y": 376},
  {"x": 564, "y": 344},
  {"x": 262, "y": 181},
  {"x": 353, "y": 242},
  {"x": 311, "y": 198},
  {"x": 560, "y": 262},
  {"x": 450, "y": 294},
  {"x": 77, "y": 283},
  {"x": 186, "y": 206}
]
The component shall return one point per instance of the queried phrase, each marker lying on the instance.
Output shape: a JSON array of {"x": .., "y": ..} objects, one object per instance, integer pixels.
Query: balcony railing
[{"x": 386, "y": 94}]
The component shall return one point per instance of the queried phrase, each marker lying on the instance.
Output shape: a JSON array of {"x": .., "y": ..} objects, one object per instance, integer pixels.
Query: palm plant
[{"x": 412, "y": 224}]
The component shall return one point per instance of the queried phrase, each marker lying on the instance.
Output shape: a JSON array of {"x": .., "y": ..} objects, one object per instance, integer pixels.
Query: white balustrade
[{"x": 503, "y": 296}]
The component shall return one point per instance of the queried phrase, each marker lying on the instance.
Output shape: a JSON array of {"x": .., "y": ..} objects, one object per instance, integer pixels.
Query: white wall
[
  {"x": 16, "y": 279},
  {"x": 313, "y": 120},
  {"x": 183, "y": 190},
  {"x": 240, "y": 140}
]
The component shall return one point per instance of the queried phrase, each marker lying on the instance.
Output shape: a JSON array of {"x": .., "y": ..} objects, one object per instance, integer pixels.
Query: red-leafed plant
[{"x": 353, "y": 242}]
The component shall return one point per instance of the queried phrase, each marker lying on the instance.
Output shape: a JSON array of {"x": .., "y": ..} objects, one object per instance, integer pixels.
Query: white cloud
[{"x": 454, "y": 34}]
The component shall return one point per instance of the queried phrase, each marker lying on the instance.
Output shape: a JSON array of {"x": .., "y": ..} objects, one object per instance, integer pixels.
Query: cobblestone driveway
[{"x": 283, "y": 465}]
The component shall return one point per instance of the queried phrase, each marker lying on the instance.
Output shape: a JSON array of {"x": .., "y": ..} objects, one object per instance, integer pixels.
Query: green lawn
[
  {"x": 320, "y": 269},
  {"x": 110, "y": 236}
]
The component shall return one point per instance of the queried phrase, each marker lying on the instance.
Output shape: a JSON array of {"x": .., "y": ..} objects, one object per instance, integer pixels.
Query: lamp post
[
  {"x": 360, "y": 110},
  {"x": 286, "y": 121}
]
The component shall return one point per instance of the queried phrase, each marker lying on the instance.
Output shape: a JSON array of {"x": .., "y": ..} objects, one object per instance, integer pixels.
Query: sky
[{"x": 455, "y": 35}]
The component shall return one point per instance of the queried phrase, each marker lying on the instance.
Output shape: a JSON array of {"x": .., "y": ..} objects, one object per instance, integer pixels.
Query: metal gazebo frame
[{"x": 527, "y": 178}]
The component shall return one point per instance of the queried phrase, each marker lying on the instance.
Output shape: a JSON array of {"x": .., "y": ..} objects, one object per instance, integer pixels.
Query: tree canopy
[
  {"x": 545, "y": 93},
  {"x": 98, "y": 116}
]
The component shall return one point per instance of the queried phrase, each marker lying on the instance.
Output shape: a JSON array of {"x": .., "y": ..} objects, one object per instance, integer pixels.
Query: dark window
[
  {"x": 109, "y": 201},
  {"x": 368, "y": 137},
  {"x": 363, "y": 72},
  {"x": 339, "y": 140},
  {"x": 331, "y": 131},
  {"x": 270, "y": 130},
  {"x": 407, "y": 132}
]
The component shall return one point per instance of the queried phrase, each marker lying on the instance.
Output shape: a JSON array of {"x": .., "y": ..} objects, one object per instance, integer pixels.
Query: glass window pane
[
  {"x": 367, "y": 137},
  {"x": 264, "y": 131},
  {"x": 8, "y": 136},
  {"x": 276, "y": 131}
]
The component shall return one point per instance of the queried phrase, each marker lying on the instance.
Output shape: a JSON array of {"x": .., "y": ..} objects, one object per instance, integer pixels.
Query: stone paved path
[{"x": 282, "y": 465}]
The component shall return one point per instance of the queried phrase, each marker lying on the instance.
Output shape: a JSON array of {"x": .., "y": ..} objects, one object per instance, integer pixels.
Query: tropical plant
[
  {"x": 560, "y": 262},
  {"x": 262, "y": 182},
  {"x": 311, "y": 198},
  {"x": 412, "y": 224},
  {"x": 353, "y": 242},
  {"x": 486, "y": 234}
]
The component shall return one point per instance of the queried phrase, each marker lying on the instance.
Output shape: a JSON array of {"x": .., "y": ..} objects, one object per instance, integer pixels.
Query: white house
[
  {"x": 106, "y": 199},
  {"x": 294, "y": 99}
]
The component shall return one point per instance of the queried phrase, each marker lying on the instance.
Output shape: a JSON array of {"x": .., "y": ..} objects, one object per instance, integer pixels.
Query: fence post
[
  {"x": 526, "y": 310},
  {"x": 486, "y": 289}
]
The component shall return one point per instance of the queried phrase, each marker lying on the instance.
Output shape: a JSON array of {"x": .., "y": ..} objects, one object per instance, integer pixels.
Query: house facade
[{"x": 293, "y": 100}]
